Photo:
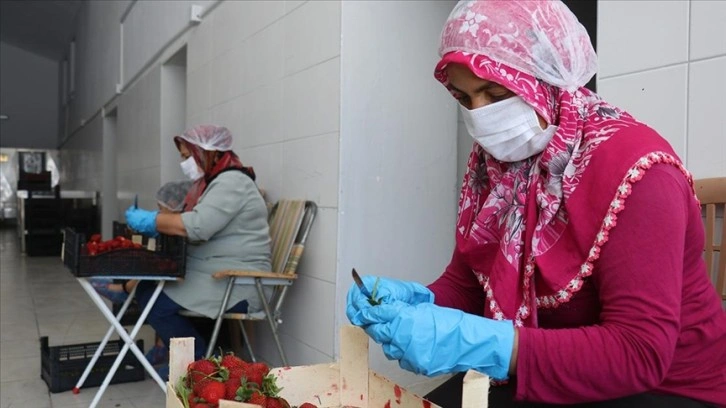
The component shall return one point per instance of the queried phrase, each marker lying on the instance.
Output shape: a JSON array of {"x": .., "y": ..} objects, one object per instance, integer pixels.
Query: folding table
[{"x": 116, "y": 326}]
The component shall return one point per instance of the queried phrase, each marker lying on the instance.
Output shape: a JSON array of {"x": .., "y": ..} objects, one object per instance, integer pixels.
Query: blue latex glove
[
  {"x": 432, "y": 340},
  {"x": 387, "y": 291},
  {"x": 143, "y": 221}
]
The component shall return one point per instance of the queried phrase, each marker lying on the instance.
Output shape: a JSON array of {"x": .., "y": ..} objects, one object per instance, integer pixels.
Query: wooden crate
[{"x": 346, "y": 383}]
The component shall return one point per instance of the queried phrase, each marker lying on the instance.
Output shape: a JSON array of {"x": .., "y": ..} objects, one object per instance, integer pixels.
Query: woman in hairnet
[
  {"x": 577, "y": 274},
  {"x": 225, "y": 222}
]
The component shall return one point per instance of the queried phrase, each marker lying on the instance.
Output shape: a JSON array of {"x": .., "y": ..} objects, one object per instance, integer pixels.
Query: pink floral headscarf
[{"x": 529, "y": 210}]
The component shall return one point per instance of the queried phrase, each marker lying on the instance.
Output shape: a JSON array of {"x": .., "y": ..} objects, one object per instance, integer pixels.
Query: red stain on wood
[
  {"x": 361, "y": 397},
  {"x": 397, "y": 392},
  {"x": 388, "y": 404},
  {"x": 426, "y": 404}
]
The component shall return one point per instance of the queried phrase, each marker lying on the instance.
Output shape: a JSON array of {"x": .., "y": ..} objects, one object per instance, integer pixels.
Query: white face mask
[
  {"x": 508, "y": 130},
  {"x": 190, "y": 169}
]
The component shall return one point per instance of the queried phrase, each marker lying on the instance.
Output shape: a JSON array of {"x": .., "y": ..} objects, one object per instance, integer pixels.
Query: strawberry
[
  {"x": 276, "y": 402},
  {"x": 230, "y": 360},
  {"x": 201, "y": 405},
  {"x": 212, "y": 392},
  {"x": 235, "y": 365},
  {"x": 201, "y": 369},
  {"x": 256, "y": 372},
  {"x": 236, "y": 372},
  {"x": 307, "y": 405},
  {"x": 197, "y": 388},
  {"x": 231, "y": 386},
  {"x": 257, "y": 399}
]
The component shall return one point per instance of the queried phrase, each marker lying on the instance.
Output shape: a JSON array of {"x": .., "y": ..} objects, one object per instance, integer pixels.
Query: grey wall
[
  {"x": 29, "y": 96},
  {"x": 664, "y": 62},
  {"x": 398, "y": 193}
]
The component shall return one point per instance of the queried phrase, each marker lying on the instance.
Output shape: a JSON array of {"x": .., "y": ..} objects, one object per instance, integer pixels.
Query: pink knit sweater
[{"x": 648, "y": 319}]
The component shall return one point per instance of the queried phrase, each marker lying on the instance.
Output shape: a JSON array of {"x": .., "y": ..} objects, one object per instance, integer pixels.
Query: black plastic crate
[
  {"x": 83, "y": 220},
  {"x": 43, "y": 243},
  {"x": 169, "y": 258},
  {"x": 62, "y": 366}
]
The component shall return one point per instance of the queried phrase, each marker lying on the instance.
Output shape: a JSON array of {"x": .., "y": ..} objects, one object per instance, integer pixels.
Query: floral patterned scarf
[{"x": 533, "y": 229}]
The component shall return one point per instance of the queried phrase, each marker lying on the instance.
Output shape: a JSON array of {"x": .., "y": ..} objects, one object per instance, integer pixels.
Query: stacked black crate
[{"x": 43, "y": 222}]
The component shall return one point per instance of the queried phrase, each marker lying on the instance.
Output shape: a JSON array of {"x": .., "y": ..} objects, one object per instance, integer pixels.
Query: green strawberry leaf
[
  {"x": 269, "y": 386},
  {"x": 182, "y": 391},
  {"x": 373, "y": 301}
]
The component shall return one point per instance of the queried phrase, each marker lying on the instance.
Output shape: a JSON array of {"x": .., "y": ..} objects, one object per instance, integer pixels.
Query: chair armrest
[{"x": 253, "y": 274}]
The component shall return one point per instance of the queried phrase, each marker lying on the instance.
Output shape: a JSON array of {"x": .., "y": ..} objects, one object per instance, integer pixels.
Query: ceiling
[{"x": 43, "y": 27}]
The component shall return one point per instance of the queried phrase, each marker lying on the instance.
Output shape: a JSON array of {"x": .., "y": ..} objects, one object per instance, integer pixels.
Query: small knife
[
  {"x": 136, "y": 201},
  {"x": 361, "y": 286},
  {"x": 358, "y": 281}
]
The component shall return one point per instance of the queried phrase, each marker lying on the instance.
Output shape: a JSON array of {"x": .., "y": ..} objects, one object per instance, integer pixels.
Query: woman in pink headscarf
[
  {"x": 225, "y": 222},
  {"x": 577, "y": 275}
]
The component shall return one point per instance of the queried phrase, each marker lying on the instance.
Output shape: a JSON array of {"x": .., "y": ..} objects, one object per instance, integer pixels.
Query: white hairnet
[
  {"x": 208, "y": 137},
  {"x": 541, "y": 38},
  {"x": 171, "y": 195}
]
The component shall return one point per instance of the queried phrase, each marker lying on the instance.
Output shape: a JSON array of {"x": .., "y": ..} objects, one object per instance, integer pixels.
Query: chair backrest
[
  {"x": 290, "y": 222},
  {"x": 711, "y": 192}
]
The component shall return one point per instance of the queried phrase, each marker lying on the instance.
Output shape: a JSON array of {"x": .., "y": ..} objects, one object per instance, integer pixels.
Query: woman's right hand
[
  {"x": 387, "y": 291},
  {"x": 143, "y": 221}
]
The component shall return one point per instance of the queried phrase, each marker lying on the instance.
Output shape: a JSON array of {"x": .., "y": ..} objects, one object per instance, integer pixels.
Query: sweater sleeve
[
  {"x": 458, "y": 288},
  {"x": 224, "y": 198},
  {"x": 639, "y": 278}
]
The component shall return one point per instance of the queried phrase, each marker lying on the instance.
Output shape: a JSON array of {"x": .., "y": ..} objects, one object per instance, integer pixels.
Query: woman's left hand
[
  {"x": 143, "y": 221},
  {"x": 431, "y": 340}
]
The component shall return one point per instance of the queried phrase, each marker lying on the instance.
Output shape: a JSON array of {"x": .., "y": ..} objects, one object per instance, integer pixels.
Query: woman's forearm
[{"x": 170, "y": 224}]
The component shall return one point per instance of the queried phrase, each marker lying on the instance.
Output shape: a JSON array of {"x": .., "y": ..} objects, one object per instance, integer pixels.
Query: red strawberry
[
  {"x": 232, "y": 385},
  {"x": 197, "y": 388},
  {"x": 275, "y": 402},
  {"x": 212, "y": 392},
  {"x": 258, "y": 399},
  {"x": 256, "y": 372},
  {"x": 201, "y": 369},
  {"x": 236, "y": 372},
  {"x": 230, "y": 360},
  {"x": 307, "y": 405},
  {"x": 201, "y": 405},
  {"x": 235, "y": 365}
]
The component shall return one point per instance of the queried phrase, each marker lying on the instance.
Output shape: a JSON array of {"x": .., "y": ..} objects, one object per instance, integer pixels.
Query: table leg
[
  {"x": 88, "y": 287},
  {"x": 129, "y": 342}
]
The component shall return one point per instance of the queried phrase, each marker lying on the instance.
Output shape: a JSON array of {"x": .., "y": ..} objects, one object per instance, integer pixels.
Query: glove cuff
[
  {"x": 422, "y": 294},
  {"x": 500, "y": 345}
]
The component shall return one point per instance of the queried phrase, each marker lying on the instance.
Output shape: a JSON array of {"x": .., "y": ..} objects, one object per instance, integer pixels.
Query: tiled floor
[{"x": 39, "y": 297}]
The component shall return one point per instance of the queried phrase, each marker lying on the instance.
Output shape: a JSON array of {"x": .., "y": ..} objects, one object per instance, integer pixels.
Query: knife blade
[{"x": 361, "y": 286}]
